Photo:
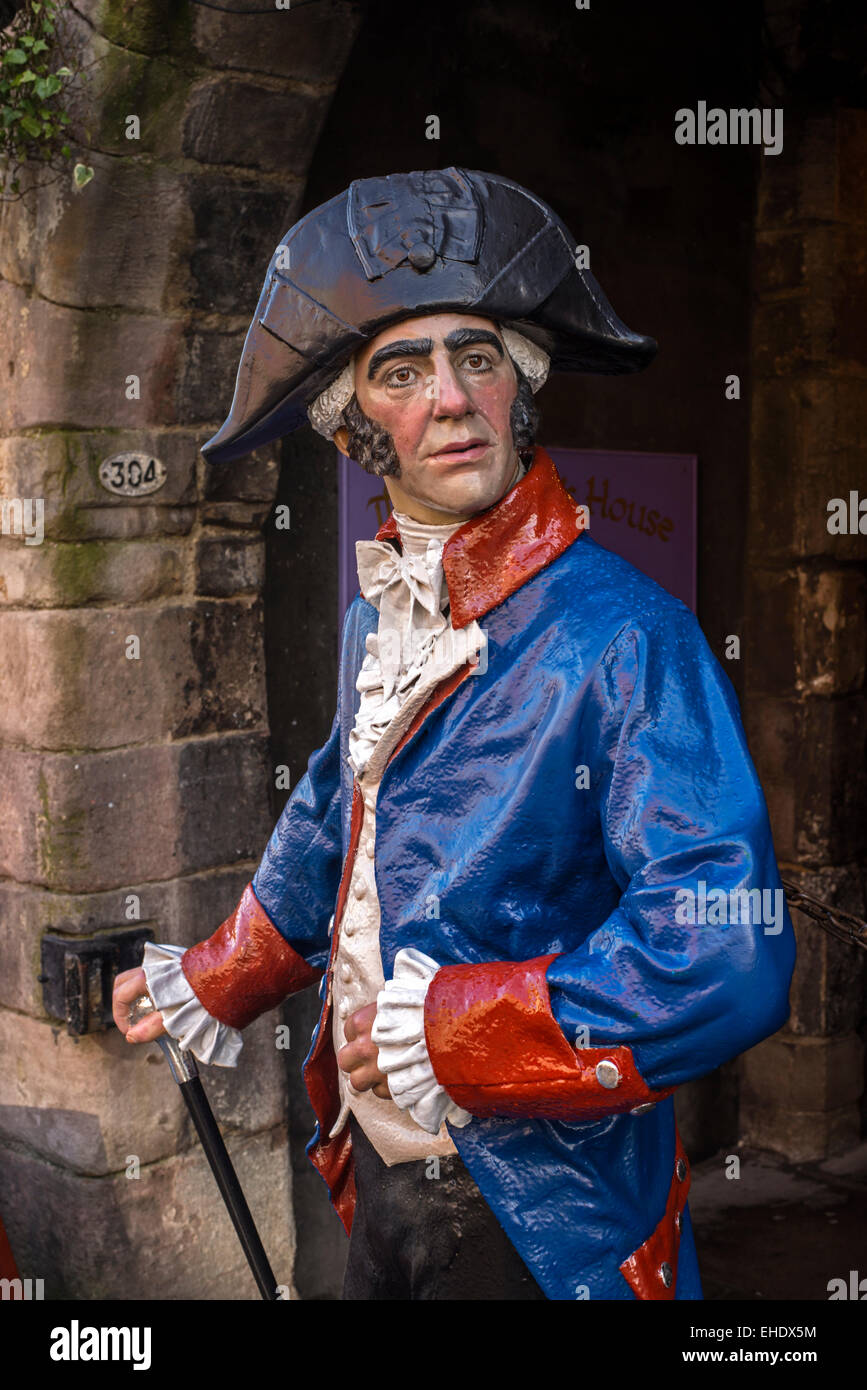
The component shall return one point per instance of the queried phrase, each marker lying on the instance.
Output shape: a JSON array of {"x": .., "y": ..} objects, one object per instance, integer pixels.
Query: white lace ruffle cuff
[
  {"x": 184, "y": 1016},
  {"x": 398, "y": 1032}
]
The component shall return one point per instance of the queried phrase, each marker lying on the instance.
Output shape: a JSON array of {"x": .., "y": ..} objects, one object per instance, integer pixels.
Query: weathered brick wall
[
  {"x": 146, "y": 776},
  {"x": 807, "y": 638}
]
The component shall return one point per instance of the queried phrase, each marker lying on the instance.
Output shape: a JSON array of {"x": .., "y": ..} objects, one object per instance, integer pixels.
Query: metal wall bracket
[{"x": 78, "y": 975}]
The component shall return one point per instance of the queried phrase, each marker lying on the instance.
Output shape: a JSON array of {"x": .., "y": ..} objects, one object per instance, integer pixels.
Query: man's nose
[{"x": 450, "y": 395}]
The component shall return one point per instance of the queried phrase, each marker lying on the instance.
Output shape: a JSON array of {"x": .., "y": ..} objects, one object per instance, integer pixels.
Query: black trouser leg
[{"x": 416, "y": 1236}]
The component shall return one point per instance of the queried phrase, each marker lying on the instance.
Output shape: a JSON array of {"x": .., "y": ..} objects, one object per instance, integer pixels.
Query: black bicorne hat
[{"x": 436, "y": 240}]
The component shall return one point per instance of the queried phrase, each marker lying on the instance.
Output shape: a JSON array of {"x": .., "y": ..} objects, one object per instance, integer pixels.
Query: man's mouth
[{"x": 464, "y": 451}]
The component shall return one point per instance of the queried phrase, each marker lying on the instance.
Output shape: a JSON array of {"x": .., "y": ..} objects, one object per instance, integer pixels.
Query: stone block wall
[
  {"x": 806, "y": 708},
  {"x": 135, "y": 782}
]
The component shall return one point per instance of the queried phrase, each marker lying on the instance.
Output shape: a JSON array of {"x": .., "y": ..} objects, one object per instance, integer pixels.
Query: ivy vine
[{"x": 33, "y": 123}]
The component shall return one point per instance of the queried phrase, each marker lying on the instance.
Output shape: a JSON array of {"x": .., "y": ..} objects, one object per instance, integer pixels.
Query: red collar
[{"x": 494, "y": 553}]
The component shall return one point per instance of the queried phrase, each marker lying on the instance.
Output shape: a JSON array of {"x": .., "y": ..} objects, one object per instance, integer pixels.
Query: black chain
[{"x": 833, "y": 920}]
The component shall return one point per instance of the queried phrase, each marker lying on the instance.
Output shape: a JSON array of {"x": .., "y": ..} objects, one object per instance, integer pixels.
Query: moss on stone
[
  {"x": 57, "y": 838},
  {"x": 148, "y": 26},
  {"x": 153, "y": 88},
  {"x": 78, "y": 570}
]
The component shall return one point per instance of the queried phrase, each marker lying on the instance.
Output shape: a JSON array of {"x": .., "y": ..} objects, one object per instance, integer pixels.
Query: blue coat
[{"x": 571, "y": 808}]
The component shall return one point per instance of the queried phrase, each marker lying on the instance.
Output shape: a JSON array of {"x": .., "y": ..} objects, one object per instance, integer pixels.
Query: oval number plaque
[{"x": 132, "y": 475}]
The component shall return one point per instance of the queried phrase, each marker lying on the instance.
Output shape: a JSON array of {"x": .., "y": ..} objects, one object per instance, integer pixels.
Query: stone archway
[{"x": 135, "y": 788}]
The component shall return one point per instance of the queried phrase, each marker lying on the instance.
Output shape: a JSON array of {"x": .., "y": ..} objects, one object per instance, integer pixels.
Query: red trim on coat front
[
  {"x": 332, "y": 1158},
  {"x": 246, "y": 967},
  {"x": 497, "y": 1049},
  {"x": 439, "y": 694},
  {"x": 8, "y": 1267},
  {"x": 494, "y": 553},
  {"x": 651, "y": 1271}
]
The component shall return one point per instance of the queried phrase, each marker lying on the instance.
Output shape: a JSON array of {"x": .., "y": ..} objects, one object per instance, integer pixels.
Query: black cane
[{"x": 186, "y": 1074}]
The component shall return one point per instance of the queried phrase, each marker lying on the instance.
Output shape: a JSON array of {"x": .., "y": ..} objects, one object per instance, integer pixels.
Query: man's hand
[
  {"x": 130, "y": 985},
  {"x": 360, "y": 1058}
]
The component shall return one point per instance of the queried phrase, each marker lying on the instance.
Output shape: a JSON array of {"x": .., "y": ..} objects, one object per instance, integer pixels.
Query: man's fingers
[
  {"x": 360, "y": 1022},
  {"x": 129, "y": 985},
  {"x": 146, "y": 1031}
]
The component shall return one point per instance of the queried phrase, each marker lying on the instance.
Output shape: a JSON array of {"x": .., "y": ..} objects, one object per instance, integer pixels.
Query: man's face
[{"x": 442, "y": 385}]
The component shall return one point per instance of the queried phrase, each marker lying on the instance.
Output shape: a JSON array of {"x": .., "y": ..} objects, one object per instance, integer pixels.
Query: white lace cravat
[
  {"x": 410, "y": 591},
  {"x": 407, "y": 590}
]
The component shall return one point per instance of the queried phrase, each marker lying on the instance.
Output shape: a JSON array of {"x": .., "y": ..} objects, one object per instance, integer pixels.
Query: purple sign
[{"x": 642, "y": 506}]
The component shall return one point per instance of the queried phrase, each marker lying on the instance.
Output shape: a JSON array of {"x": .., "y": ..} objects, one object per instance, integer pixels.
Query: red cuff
[
  {"x": 496, "y": 1047},
  {"x": 246, "y": 967}
]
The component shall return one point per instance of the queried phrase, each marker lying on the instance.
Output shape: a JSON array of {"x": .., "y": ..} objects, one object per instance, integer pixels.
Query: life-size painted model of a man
[{"x": 536, "y": 764}]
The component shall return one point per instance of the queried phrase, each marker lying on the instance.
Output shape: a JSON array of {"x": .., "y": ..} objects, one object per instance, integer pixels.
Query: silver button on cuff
[
  {"x": 643, "y": 1109},
  {"x": 608, "y": 1075}
]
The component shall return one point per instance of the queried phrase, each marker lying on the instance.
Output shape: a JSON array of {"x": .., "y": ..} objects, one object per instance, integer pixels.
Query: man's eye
[
  {"x": 477, "y": 361},
  {"x": 400, "y": 376}
]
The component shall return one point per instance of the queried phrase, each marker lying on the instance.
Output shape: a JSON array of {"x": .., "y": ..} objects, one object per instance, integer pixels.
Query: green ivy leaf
[
  {"x": 63, "y": 72},
  {"x": 15, "y": 55},
  {"x": 40, "y": 46},
  {"x": 65, "y": 151},
  {"x": 27, "y": 40},
  {"x": 81, "y": 175},
  {"x": 31, "y": 126}
]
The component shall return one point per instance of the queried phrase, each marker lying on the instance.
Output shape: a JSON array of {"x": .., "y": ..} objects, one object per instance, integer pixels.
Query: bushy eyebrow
[
  {"x": 423, "y": 347},
  {"x": 404, "y": 347},
  {"x": 460, "y": 337}
]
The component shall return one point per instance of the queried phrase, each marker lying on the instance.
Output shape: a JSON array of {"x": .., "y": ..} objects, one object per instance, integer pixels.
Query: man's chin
[{"x": 464, "y": 492}]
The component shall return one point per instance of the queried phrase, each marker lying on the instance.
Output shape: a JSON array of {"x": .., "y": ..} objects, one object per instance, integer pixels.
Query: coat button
[
  {"x": 370, "y": 847},
  {"x": 345, "y": 1008},
  {"x": 346, "y": 973},
  {"x": 360, "y": 888},
  {"x": 666, "y": 1275},
  {"x": 607, "y": 1074},
  {"x": 680, "y": 1169},
  {"x": 677, "y": 1221}
]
